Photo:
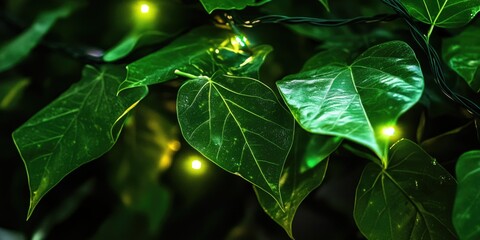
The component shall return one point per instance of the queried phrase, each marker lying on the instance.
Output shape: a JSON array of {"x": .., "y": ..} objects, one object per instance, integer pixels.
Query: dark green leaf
[
  {"x": 189, "y": 53},
  {"x": 237, "y": 123},
  {"x": 131, "y": 41},
  {"x": 304, "y": 172},
  {"x": 11, "y": 91},
  {"x": 443, "y": 13},
  {"x": 467, "y": 202},
  {"x": 359, "y": 100},
  {"x": 18, "y": 48},
  {"x": 411, "y": 199},
  {"x": 325, "y": 4},
  {"x": 79, "y": 126},
  {"x": 211, "y": 5},
  {"x": 462, "y": 54}
]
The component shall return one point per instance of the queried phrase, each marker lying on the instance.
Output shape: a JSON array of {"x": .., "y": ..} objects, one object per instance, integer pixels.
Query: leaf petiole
[{"x": 189, "y": 75}]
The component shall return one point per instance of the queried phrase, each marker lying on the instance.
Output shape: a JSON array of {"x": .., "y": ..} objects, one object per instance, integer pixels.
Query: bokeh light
[{"x": 388, "y": 131}]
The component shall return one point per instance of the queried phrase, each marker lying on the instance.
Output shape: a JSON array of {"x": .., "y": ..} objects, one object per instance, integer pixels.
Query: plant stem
[
  {"x": 184, "y": 74},
  {"x": 430, "y": 33}
]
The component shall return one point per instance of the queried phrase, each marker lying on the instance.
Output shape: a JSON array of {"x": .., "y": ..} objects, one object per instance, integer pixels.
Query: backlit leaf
[
  {"x": 189, "y": 53},
  {"x": 132, "y": 41},
  {"x": 467, "y": 202},
  {"x": 211, "y": 5},
  {"x": 411, "y": 199},
  {"x": 238, "y": 123},
  {"x": 443, "y": 13},
  {"x": 462, "y": 54},
  {"x": 19, "y": 47},
  {"x": 79, "y": 126},
  {"x": 355, "y": 101},
  {"x": 304, "y": 172}
]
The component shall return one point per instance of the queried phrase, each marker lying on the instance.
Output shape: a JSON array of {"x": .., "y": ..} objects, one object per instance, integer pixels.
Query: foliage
[{"x": 240, "y": 98}]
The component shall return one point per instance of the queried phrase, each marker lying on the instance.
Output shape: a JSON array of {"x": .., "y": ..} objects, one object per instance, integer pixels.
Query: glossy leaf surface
[
  {"x": 467, "y": 202},
  {"x": 19, "y": 47},
  {"x": 189, "y": 53},
  {"x": 132, "y": 41},
  {"x": 462, "y": 54},
  {"x": 355, "y": 101},
  {"x": 238, "y": 123},
  {"x": 211, "y": 5},
  {"x": 304, "y": 172},
  {"x": 443, "y": 13},
  {"x": 79, "y": 126},
  {"x": 411, "y": 199}
]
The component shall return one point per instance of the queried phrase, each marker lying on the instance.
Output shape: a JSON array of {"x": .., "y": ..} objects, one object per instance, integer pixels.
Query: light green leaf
[
  {"x": 411, "y": 199},
  {"x": 79, "y": 126},
  {"x": 211, "y": 5},
  {"x": 18, "y": 48},
  {"x": 355, "y": 101},
  {"x": 304, "y": 172},
  {"x": 132, "y": 41},
  {"x": 11, "y": 91},
  {"x": 443, "y": 13},
  {"x": 467, "y": 202},
  {"x": 188, "y": 53},
  {"x": 325, "y": 4},
  {"x": 238, "y": 123},
  {"x": 462, "y": 54}
]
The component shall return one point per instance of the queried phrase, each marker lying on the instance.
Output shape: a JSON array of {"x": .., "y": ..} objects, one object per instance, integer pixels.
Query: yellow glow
[
  {"x": 388, "y": 131},
  {"x": 144, "y": 8},
  {"x": 196, "y": 164}
]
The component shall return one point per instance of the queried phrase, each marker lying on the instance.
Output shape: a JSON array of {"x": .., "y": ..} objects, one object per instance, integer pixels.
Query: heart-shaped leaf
[
  {"x": 411, "y": 199},
  {"x": 304, "y": 172},
  {"x": 355, "y": 101},
  {"x": 211, "y": 5},
  {"x": 443, "y": 13},
  {"x": 79, "y": 126},
  {"x": 238, "y": 123},
  {"x": 467, "y": 202},
  {"x": 462, "y": 54},
  {"x": 18, "y": 48}
]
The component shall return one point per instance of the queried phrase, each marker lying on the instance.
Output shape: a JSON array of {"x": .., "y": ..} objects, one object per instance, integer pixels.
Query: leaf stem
[
  {"x": 430, "y": 32},
  {"x": 184, "y": 74}
]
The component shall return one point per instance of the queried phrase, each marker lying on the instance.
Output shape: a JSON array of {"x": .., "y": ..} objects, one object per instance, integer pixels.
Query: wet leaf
[
  {"x": 443, "y": 13},
  {"x": 238, "y": 123},
  {"x": 77, "y": 127},
  {"x": 467, "y": 202},
  {"x": 462, "y": 54},
  {"x": 304, "y": 172},
  {"x": 411, "y": 199},
  {"x": 355, "y": 101}
]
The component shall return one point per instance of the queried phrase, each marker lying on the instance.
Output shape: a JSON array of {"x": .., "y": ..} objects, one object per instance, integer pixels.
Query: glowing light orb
[
  {"x": 196, "y": 164},
  {"x": 144, "y": 8},
  {"x": 388, "y": 131}
]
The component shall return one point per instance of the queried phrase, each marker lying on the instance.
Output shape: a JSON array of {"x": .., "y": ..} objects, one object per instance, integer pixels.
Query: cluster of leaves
[{"x": 345, "y": 95}]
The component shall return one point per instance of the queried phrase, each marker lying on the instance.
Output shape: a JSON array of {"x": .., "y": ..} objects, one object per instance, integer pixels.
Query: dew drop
[
  {"x": 370, "y": 203},
  {"x": 434, "y": 162},
  {"x": 416, "y": 184},
  {"x": 364, "y": 190}
]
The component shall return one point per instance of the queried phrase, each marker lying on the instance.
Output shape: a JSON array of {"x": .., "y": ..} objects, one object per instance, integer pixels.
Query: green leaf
[
  {"x": 79, "y": 126},
  {"x": 304, "y": 172},
  {"x": 238, "y": 123},
  {"x": 462, "y": 54},
  {"x": 355, "y": 101},
  {"x": 411, "y": 199},
  {"x": 11, "y": 91},
  {"x": 132, "y": 41},
  {"x": 467, "y": 202},
  {"x": 325, "y": 4},
  {"x": 187, "y": 53},
  {"x": 211, "y": 5},
  {"x": 18, "y": 48},
  {"x": 443, "y": 13}
]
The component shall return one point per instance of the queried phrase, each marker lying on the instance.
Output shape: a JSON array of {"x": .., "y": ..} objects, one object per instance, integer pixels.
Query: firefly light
[
  {"x": 144, "y": 8},
  {"x": 196, "y": 164},
  {"x": 388, "y": 131}
]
